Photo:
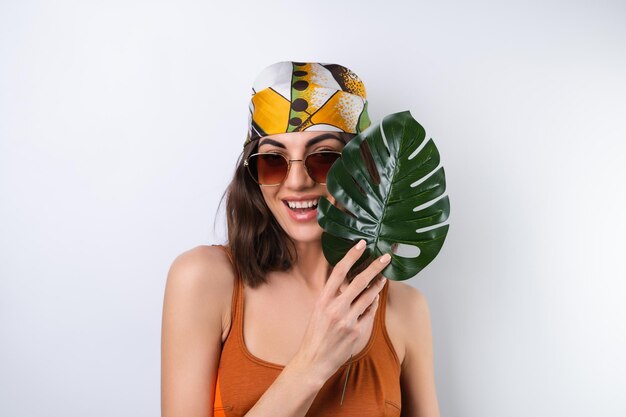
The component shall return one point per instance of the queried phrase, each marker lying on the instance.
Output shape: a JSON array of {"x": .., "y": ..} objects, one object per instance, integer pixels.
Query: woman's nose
[{"x": 298, "y": 176}]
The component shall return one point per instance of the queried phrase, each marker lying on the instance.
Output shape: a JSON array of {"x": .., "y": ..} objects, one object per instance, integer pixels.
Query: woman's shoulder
[
  {"x": 204, "y": 264},
  {"x": 204, "y": 276},
  {"x": 405, "y": 298},
  {"x": 406, "y": 307}
]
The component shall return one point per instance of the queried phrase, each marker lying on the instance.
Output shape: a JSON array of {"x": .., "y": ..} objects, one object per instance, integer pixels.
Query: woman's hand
[{"x": 343, "y": 312}]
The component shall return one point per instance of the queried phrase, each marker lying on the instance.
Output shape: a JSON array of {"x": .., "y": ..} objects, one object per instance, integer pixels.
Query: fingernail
[
  {"x": 361, "y": 244},
  {"x": 385, "y": 258}
]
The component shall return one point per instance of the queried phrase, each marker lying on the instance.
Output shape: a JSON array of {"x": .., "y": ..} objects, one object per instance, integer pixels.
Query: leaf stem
[{"x": 345, "y": 383}]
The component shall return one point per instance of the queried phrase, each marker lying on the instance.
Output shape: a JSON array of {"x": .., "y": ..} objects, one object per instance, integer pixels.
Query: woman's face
[{"x": 299, "y": 223}]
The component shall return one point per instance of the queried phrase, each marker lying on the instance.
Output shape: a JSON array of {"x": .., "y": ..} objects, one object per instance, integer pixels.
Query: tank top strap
[
  {"x": 383, "y": 301},
  {"x": 379, "y": 329},
  {"x": 381, "y": 322},
  {"x": 236, "y": 306}
]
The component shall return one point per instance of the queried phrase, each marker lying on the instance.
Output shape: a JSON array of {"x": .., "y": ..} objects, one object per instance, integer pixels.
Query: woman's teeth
[{"x": 302, "y": 204}]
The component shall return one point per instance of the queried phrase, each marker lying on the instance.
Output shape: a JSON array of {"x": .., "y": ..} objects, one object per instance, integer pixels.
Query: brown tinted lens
[
  {"x": 318, "y": 164},
  {"x": 270, "y": 168}
]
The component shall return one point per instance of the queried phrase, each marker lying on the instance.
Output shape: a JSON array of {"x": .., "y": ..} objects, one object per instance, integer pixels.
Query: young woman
[{"x": 265, "y": 326}]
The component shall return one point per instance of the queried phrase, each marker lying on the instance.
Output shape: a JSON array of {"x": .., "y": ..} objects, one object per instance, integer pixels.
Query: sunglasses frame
[{"x": 289, "y": 161}]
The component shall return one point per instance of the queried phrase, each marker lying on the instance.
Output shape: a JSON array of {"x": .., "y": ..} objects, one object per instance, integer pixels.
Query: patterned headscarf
[{"x": 302, "y": 96}]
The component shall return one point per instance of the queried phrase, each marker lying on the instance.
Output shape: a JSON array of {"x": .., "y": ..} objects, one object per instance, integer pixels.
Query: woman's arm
[
  {"x": 419, "y": 396},
  {"x": 199, "y": 283}
]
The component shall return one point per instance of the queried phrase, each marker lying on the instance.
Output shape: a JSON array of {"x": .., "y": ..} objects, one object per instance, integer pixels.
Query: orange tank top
[{"x": 373, "y": 385}]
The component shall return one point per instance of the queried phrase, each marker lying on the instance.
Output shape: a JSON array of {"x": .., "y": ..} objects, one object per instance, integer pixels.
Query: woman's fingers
[
  {"x": 370, "y": 311},
  {"x": 366, "y": 299},
  {"x": 361, "y": 281},
  {"x": 340, "y": 270}
]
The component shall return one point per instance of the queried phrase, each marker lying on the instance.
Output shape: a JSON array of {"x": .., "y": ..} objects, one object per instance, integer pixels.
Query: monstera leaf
[{"x": 380, "y": 186}]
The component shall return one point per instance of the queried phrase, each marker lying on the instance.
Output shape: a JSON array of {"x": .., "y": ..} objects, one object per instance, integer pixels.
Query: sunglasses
[{"x": 268, "y": 169}]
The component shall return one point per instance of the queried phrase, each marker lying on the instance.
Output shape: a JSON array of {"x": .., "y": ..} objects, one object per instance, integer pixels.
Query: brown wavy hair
[{"x": 257, "y": 242}]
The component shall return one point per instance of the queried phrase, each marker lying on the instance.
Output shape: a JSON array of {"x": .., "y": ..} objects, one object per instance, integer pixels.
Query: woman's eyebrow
[
  {"x": 268, "y": 141},
  {"x": 310, "y": 143},
  {"x": 320, "y": 138}
]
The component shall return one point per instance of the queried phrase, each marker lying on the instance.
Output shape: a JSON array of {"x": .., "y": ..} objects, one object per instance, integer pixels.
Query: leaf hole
[
  {"x": 419, "y": 148},
  {"x": 408, "y": 251},
  {"x": 382, "y": 133},
  {"x": 425, "y": 177},
  {"x": 344, "y": 210},
  {"x": 359, "y": 186},
  {"x": 433, "y": 227},
  {"x": 428, "y": 203},
  {"x": 366, "y": 153}
]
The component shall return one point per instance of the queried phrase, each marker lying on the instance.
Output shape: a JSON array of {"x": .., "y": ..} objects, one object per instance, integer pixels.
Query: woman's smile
[{"x": 302, "y": 209}]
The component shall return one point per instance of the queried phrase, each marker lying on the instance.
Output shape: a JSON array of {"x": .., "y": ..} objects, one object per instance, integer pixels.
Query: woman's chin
[{"x": 312, "y": 234}]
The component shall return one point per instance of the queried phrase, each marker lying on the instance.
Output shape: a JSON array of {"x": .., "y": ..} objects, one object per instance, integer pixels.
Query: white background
[{"x": 120, "y": 125}]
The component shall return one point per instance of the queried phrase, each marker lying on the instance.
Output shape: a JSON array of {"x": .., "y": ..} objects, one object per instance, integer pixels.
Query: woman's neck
[{"x": 311, "y": 267}]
